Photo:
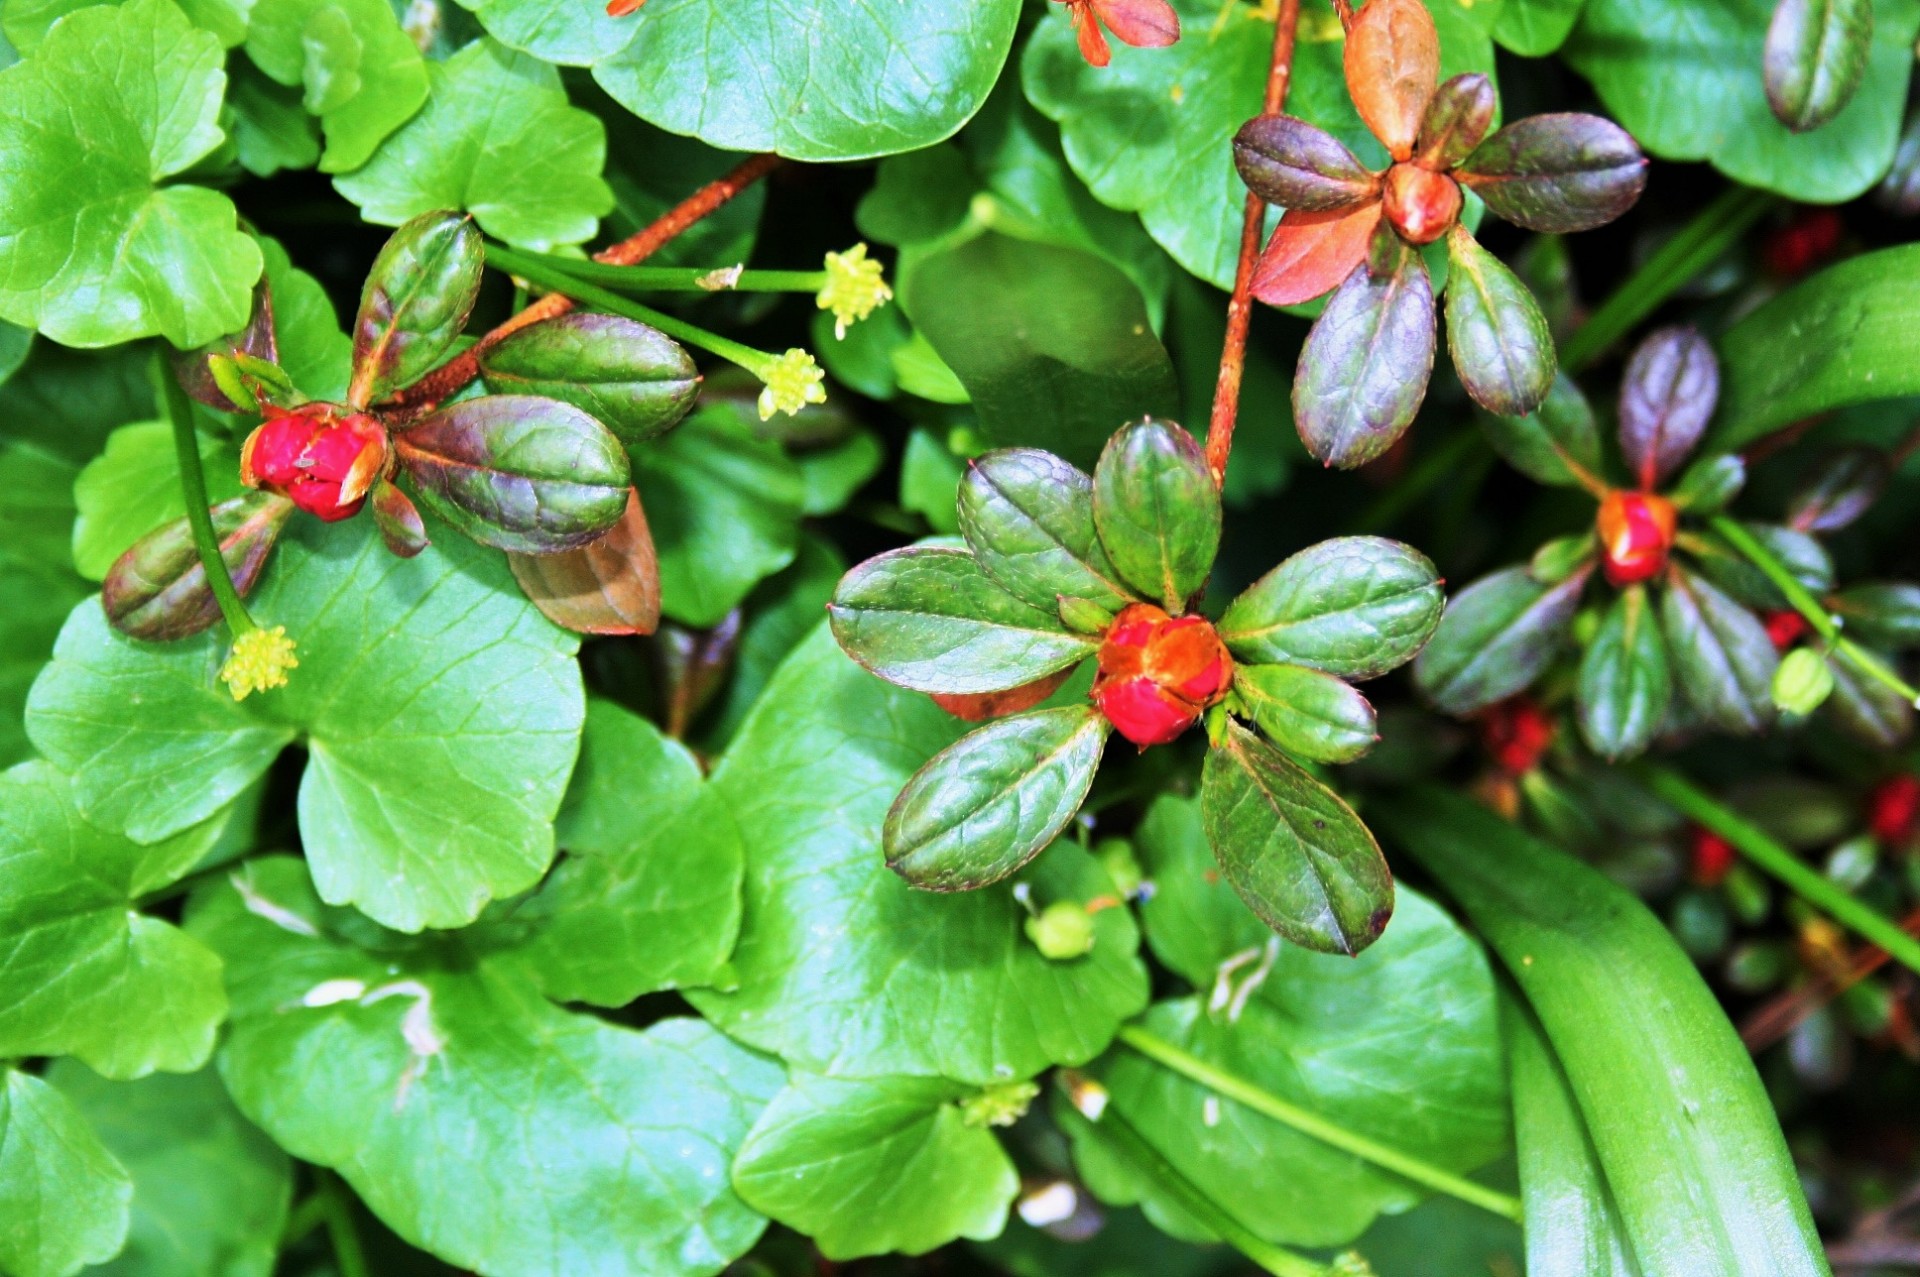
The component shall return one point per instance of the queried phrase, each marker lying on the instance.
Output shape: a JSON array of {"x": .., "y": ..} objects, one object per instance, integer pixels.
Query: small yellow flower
[
  {"x": 998, "y": 1104},
  {"x": 855, "y": 288},
  {"x": 259, "y": 660},
  {"x": 793, "y": 382}
]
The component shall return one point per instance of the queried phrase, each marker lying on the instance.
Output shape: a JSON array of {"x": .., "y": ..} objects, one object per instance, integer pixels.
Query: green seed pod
[
  {"x": 1802, "y": 682},
  {"x": 1062, "y": 931}
]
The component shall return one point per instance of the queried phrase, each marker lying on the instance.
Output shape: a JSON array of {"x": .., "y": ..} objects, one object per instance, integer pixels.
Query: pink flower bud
[
  {"x": 1636, "y": 533},
  {"x": 324, "y": 463},
  {"x": 1158, "y": 673}
]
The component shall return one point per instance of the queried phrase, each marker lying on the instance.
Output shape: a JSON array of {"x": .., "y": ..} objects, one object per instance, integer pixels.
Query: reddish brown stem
[
  {"x": 462, "y": 370},
  {"x": 1233, "y": 356},
  {"x": 1783, "y": 1014},
  {"x": 1345, "y": 9}
]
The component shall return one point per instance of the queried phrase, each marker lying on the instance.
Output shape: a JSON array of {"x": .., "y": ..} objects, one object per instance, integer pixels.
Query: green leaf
[
  {"x": 1710, "y": 484},
  {"x": 63, "y": 1198},
  {"x": 1535, "y": 28},
  {"x": 567, "y": 34},
  {"x": 929, "y": 619},
  {"x": 1558, "y": 443},
  {"x": 84, "y": 972},
  {"x": 583, "y": 1147},
  {"x": 873, "y": 1165},
  {"x": 1194, "y": 920},
  {"x": 1364, "y": 369},
  {"x": 1293, "y": 850},
  {"x": 837, "y": 80},
  {"x": 1028, "y": 517},
  {"x": 1354, "y": 607},
  {"x": 270, "y": 128},
  {"x": 1498, "y": 636},
  {"x": 629, "y": 776},
  {"x": 1642, "y": 1040},
  {"x": 1157, "y": 510},
  {"x": 92, "y": 250},
  {"x": 429, "y": 785},
  {"x": 1557, "y": 173},
  {"x": 1816, "y": 56},
  {"x": 1495, "y": 332},
  {"x": 416, "y": 300},
  {"x": 1802, "y": 555},
  {"x": 780, "y": 613},
  {"x": 990, "y": 802},
  {"x": 1306, "y": 712},
  {"x": 1680, "y": 77},
  {"x": 210, "y": 1192},
  {"x": 134, "y": 487},
  {"x": 517, "y": 472},
  {"x": 725, "y": 509},
  {"x": 835, "y": 972},
  {"x": 1052, "y": 344},
  {"x": 36, "y": 522},
  {"x": 1722, "y": 658},
  {"x": 362, "y": 73},
  {"x": 1296, "y": 165},
  {"x": 833, "y": 474},
  {"x": 497, "y": 139},
  {"x": 1866, "y": 708},
  {"x": 1836, "y": 339},
  {"x": 1625, "y": 682},
  {"x": 1886, "y": 614},
  {"x": 633, "y": 379}
]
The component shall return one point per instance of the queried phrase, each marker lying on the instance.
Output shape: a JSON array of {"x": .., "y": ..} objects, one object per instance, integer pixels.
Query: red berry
[
  {"x": 1517, "y": 733},
  {"x": 322, "y": 462},
  {"x": 1893, "y": 810},
  {"x": 1712, "y": 858},
  {"x": 1636, "y": 533},
  {"x": 1159, "y": 673},
  {"x": 1785, "y": 629},
  {"x": 1803, "y": 243}
]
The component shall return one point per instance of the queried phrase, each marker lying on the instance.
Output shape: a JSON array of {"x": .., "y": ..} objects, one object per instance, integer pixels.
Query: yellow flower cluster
[
  {"x": 793, "y": 382},
  {"x": 259, "y": 661},
  {"x": 855, "y": 288}
]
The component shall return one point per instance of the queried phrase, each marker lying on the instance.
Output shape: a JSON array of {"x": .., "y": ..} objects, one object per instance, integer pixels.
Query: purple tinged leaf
[
  {"x": 635, "y": 380},
  {"x": 1456, "y": 120},
  {"x": 158, "y": 590},
  {"x": 1899, "y": 191},
  {"x": 608, "y": 586},
  {"x": 1723, "y": 661},
  {"x": 1668, "y": 396},
  {"x": 190, "y": 367},
  {"x": 1363, "y": 371},
  {"x": 1866, "y": 708},
  {"x": 417, "y": 299},
  {"x": 399, "y": 522},
  {"x": 1557, "y": 173},
  {"x": 1297, "y": 165},
  {"x": 1885, "y": 614},
  {"x": 1498, "y": 636},
  {"x": 1815, "y": 57},
  {"x": 1844, "y": 487},
  {"x": 1499, "y": 340}
]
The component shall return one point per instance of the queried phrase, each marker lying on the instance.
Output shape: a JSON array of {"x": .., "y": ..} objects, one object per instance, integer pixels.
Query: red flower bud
[
  {"x": 1785, "y": 629},
  {"x": 1810, "y": 238},
  {"x": 1893, "y": 810},
  {"x": 1159, "y": 673},
  {"x": 1710, "y": 858},
  {"x": 323, "y": 463},
  {"x": 1421, "y": 204},
  {"x": 1517, "y": 733},
  {"x": 1636, "y": 533}
]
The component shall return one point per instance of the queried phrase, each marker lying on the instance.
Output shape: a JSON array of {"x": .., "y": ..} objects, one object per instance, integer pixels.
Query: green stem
[
  {"x": 1697, "y": 246},
  {"x": 1823, "y": 622},
  {"x": 1135, "y": 1148},
  {"x": 1244, "y": 1092},
  {"x": 307, "y": 1214},
  {"x": 337, "y": 1209},
  {"x": 538, "y": 270},
  {"x": 686, "y": 279},
  {"x": 193, "y": 486},
  {"x": 1772, "y": 858}
]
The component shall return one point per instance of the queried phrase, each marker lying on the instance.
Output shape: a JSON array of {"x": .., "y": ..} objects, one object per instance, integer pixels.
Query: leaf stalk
[{"x": 193, "y": 487}]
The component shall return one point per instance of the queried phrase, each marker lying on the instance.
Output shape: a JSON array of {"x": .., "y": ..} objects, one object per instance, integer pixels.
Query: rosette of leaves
[
  {"x": 1354, "y": 233},
  {"x": 537, "y": 466},
  {"x": 1680, "y": 640},
  {"x": 1055, "y": 567}
]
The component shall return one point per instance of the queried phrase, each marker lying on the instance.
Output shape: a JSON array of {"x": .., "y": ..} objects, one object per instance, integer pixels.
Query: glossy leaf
[
  {"x": 398, "y": 519},
  {"x": 1293, "y": 850},
  {"x": 1816, "y": 56},
  {"x": 1313, "y": 253},
  {"x": 93, "y": 251},
  {"x": 1641, "y": 1038},
  {"x": 607, "y": 586},
  {"x": 1498, "y": 636},
  {"x": 134, "y": 487},
  {"x": 158, "y": 590},
  {"x": 993, "y": 800},
  {"x": 417, "y": 297},
  {"x": 1535, "y": 28},
  {"x": 63, "y": 1197},
  {"x": 1308, "y": 713},
  {"x": 1495, "y": 332},
  {"x": 1393, "y": 66},
  {"x": 872, "y": 1165},
  {"x": 1456, "y": 120},
  {"x": 1710, "y": 484},
  {"x": 1625, "y": 680},
  {"x": 1363, "y": 371},
  {"x": 1556, "y": 443},
  {"x": 1666, "y": 399},
  {"x": 1557, "y": 173},
  {"x": 1297, "y": 165},
  {"x": 929, "y": 619},
  {"x": 1722, "y": 657},
  {"x": 1354, "y": 607},
  {"x": 194, "y": 368},
  {"x": 1842, "y": 489},
  {"x": 1885, "y": 614},
  {"x": 634, "y": 380},
  {"x": 1028, "y": 518},
  {"x": 361, "y": 72},
  {"x": 824, "y": 83},
  {"x": 518, "y": 472},
  {"x": 1158, "y": 511},
  {"x": 1865, "y": 708}
]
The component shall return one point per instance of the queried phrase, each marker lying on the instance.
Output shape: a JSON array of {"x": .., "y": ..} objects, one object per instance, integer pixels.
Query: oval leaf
[
  {"x": 1307, "y": 712},
  {"x": 1311, "y": 253},
  {"x": 991, "y": 801},
  {"x": 1721, "y": 653},
  {"x": 1710, "y": 484},
  {"x": 1499, "y": 340},
  {"x": 1865, "y": 708},
  {"x": 1157, "y": 510},
  {"x": 608, "y": 586},
  {"x": 634, "y": 380},
  {"x": 929, "y": 619},
  {"x": 1841, "y": 490},
  {"x": 1293, "y": 850},
  {"x": 398, "y": 520},
  {"x": 1672, "y": 383},
  {"x": 1392, "y": 66},
  {"x": 1456, "y": 120},
  {"x": 415, "y": 303},
  {"x": 1557, "y": 443},
  {"x": 1557, "y": 173},
  {"x": 1364, "y": 368},
  {"x": 1297, "y": 165},
  {"x": 1028, "y": 518},
  {"x": 1625, "y": 682},
  {"x": 1498, "y": 636},
  {"x": 1354, "y": 607},
  {"x": 518, "y": 472},
  {"x": 158, "y": 588},
  {"x": 1816, "y": 56}
]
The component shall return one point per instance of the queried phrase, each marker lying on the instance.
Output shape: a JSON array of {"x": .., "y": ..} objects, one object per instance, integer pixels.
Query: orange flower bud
[
  {"x": 1636, "y": 534},
  {"x": 323, "y": 463},
  {"x": 1421, "y": 204},
  {"x": 1158, "y": 673}
]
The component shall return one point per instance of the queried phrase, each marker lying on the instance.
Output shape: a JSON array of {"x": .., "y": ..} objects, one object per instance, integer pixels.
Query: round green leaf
[
  {"x": 1625, "y": 681},
  {"x": 63, "y": 1197},
  {"x": 1498, "y": 636},
  {"x": 1495, "y": 332},
  {"x": 1307, "y": 712},
  {"x": 361, "y": 70},
  {"x": 1353, "y": 607},
  {"x": 1028, "y": 518},
  {"x": 1158, "y": 511}
]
